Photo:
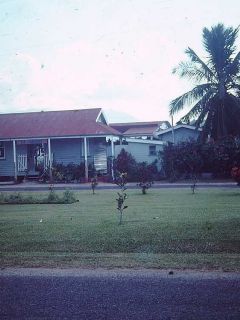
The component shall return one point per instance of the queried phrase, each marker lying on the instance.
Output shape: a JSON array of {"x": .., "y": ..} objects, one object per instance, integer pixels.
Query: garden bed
[{"x": 67, "y": 197}]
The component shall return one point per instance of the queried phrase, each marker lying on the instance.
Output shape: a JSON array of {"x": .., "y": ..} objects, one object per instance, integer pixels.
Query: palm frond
[
  {"x": 219, "y": 42},
  {"x": 189, "y": 97},
  {"x": 233, "y": 70},
  {"x": 216, "y": 103},
  {"x": 200, "y": 109},
  {"x": 190, "y": 71},
  {"x": 223, "y": 117},
  {"x": 235, "y": 88},
  {"x": 209, "y": 74}
]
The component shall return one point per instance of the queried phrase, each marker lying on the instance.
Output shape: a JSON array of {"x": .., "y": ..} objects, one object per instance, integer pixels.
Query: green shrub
[
  {"x": 136, "y": 171},
  {"x": 68, "y": 196},
  {"x": 190, "y": 159},
  {"x": 15, "y": 197},
  {"x": 125, "y": 162},
  {"x": 52, "y": 196}
]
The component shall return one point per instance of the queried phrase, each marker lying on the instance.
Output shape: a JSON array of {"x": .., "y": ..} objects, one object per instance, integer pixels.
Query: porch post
[
  {"x": 15, "y": 160},
  {"x": 50, "y": 159},
  {"x": 113, "y": 155},
  {"x": 85, "y": 159}
]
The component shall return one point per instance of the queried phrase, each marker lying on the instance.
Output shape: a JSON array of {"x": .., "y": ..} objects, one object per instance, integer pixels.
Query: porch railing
[{"x": 22, "y": 162}]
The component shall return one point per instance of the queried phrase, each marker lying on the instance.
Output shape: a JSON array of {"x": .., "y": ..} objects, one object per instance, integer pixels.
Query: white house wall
[
  {"x": 140, "y": 151},
  {"x": 180, "y": 135},
  {"x": 7, "y": 165}
]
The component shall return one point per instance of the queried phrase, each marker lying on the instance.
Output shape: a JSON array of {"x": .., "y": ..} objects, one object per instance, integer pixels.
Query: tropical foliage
[
  {"x": 215, "y": 100},
  {"x": 136, "y": 171},
  {"x": 67, "y": 173},
  {"x": 190, "y": 159}
]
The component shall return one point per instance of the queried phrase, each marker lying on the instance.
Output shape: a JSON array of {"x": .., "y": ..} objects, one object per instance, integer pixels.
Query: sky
[{"x": 118, "y": 55}]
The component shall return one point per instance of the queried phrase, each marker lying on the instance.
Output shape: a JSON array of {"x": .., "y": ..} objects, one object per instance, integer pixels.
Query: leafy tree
[
  {"x": 136, "y": 171},
  {"x": 215, "y": 99},
  {"x": 125, "y": 162},
  {"x": 182, "y": 160}
]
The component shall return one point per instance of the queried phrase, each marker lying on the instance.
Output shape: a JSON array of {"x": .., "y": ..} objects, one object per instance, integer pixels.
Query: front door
[{"x": 31, "y": 159}]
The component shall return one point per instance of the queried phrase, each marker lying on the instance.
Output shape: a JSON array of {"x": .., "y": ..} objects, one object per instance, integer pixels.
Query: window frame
[
  {"x": 2, "y": 146},
  {"x": 152, "y": 152}
]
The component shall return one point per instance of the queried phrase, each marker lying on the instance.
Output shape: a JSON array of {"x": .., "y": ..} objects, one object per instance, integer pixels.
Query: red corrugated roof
[
  {"x": 147, "y": 130},
  {"x": 53, "y": 124},
  {"x": 138, "y": 128}
]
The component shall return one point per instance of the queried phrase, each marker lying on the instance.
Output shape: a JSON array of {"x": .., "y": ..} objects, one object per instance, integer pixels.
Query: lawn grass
[{"x": 167, "y": 228}]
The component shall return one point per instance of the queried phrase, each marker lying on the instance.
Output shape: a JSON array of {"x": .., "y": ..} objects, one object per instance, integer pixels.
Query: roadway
[{"x": 118, "y": 294}]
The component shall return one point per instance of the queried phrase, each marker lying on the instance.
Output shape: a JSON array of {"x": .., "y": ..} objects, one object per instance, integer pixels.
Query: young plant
[
  {"x": 144, "y": 186},
  {"x": 194, "y": 184},
  {"x": 145, "y": 176},
  {"x": 94, "y": 184},
  {"x": 52, "y": 196},
  {"x": 122, "y": 195}
]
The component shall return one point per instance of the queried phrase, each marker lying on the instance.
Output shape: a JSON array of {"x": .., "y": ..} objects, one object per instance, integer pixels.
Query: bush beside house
[
  {"x": 67, "y": 173},
  {"x": 136, "y": 171},
  {"x": 188, "y": 159}
]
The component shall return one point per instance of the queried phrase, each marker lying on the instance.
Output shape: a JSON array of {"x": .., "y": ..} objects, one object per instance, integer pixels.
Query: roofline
[
  {"x": 59, "y": 137},
  {"x": 101, "y": 112},
  {"x": 137, "y": 123},
  {"x": 43, "y": 111},
  {"x": 158, "y": 133},
  {"x": 137, "y": 134},
  {"x": 156, "y": 142}
]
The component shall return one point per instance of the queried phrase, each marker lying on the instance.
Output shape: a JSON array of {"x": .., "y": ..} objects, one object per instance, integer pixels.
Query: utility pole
[{"x": 173, "y": 136}]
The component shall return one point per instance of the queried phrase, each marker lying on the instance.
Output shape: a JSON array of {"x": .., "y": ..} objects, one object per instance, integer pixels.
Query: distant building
[
  {"x": 141, "y": 130},
  {"x": 179, "y": 133},
  {"x": 140, "y": 139}
]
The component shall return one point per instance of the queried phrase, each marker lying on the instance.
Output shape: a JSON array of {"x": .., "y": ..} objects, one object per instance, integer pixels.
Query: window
[
  {"x": 2, "y": 151},
  {"x": 152, "y": 150}
]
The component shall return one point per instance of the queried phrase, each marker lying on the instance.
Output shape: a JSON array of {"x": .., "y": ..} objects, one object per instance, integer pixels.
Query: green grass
[{"x": 167, "y": 228}]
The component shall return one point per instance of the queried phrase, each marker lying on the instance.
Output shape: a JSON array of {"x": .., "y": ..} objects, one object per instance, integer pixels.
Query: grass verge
[{"x": 163, "y": 229}]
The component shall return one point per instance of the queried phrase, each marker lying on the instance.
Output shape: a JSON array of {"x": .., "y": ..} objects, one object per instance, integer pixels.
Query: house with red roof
[
  {"x": 141, "y": 139},
  {"x": 141, "y": 130},
  {"x": 36, "y": 141},
  {"x": 32, "y": 140}
]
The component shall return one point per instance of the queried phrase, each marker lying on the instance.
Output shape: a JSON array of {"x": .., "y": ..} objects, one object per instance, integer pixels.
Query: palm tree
[{"x": 215, "y": 99}]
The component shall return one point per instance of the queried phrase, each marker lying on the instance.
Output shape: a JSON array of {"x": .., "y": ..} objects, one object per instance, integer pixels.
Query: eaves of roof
[
  {"x": 81, "y": 122},
  {"x": 177, "y": 127}
]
